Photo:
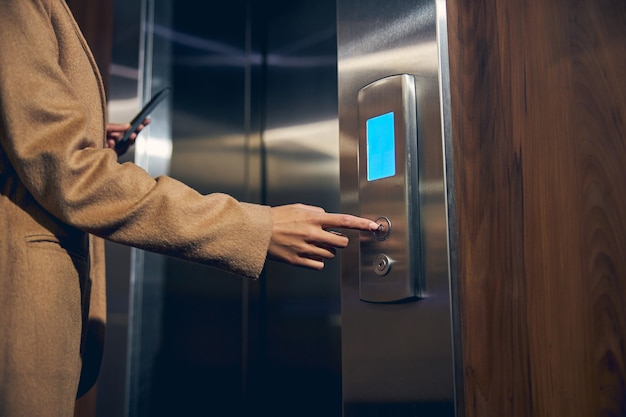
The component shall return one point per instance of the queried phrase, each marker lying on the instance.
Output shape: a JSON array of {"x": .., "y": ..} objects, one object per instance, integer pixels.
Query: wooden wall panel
[{"x": 539, "y": 132}]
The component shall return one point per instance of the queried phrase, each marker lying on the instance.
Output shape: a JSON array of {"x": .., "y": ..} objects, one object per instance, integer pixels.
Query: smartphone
[{"x": 141, "y": 116}]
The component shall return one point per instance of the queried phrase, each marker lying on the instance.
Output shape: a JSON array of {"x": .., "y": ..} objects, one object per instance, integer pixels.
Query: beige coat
[{"x": 58, "y": 189}]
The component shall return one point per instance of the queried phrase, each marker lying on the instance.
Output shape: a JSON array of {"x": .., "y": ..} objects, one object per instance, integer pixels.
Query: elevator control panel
[{"x": 390, "y": 257}]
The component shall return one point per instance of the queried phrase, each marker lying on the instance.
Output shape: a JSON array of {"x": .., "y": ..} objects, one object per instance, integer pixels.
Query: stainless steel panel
[
  {"x": 301, "y": 352},
  {"x": 191, "y": 346},
  {"x": 397, "y": 358},
  {"x": 253, "y": 113},
  {"x": 390, "y": 259}
]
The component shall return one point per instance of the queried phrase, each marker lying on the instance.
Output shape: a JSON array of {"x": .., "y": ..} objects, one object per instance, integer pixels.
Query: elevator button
[
  {"x": 382, "y": 264},
  {"x": 384, "y": 228}
]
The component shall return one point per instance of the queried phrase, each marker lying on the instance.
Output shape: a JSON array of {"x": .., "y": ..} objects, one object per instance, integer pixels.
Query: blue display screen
[{"x": 381, "y": 149}]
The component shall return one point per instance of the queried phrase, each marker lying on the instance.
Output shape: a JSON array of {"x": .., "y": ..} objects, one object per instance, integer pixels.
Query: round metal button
[
  {"x": 382, "y": 264},
  {"x": 384, "y": 228}
]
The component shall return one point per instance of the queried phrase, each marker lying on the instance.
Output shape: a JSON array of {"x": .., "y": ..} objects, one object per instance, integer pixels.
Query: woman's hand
[
  {"x": 301, "y": 235},
  {"x": 115, "y": 132}
]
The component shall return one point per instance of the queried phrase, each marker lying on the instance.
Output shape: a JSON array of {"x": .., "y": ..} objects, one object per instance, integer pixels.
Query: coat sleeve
[{"x": 52, "y": 134}]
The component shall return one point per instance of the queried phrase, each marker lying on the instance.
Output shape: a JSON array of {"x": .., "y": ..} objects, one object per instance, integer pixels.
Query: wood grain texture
[{"x": 539, "y": 131}]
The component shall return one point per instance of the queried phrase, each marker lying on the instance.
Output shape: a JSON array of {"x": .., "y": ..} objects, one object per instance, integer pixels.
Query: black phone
[{"x": 141, "y": 116}]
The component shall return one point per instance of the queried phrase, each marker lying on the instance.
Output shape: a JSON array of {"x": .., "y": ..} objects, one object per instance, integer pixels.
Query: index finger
[{"x": 348, "y": 221}]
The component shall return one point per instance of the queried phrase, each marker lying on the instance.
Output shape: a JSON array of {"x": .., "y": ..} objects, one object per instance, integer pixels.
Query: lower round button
[{"x": 382, "y": 264}]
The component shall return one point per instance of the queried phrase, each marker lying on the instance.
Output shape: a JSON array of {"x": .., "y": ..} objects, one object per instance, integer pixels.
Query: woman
[{"x": 62, "y": 189}]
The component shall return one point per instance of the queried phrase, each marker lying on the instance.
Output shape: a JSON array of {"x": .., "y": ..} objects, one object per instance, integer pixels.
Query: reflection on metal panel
[
  {"x": 301, "y": 353},
  {"x": 397, "y": 358},
  {"x": 253, "y": 113}
]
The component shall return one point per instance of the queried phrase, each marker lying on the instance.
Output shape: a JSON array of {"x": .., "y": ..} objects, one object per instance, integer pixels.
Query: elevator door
[{"x": 252, "y": 113}]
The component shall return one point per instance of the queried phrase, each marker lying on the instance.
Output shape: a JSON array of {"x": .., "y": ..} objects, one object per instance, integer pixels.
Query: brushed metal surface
[
  {"x": 253, "y": 113},
  {"x": 301, "y": 317},
  {"x": 260, "y": 121},
  {"x": 389, "y": 267},
  {"x": 397, "y": 358}
]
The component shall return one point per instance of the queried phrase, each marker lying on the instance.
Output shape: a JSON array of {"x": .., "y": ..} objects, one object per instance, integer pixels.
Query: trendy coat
[{"x": 59, "y": 189}]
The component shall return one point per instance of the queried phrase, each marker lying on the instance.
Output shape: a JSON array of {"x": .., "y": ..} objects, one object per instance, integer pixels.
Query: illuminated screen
[{"x": 381, "y": 151}]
